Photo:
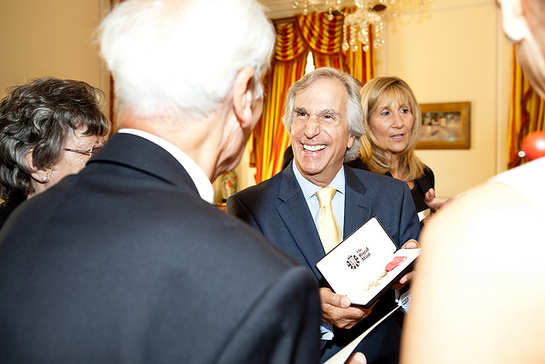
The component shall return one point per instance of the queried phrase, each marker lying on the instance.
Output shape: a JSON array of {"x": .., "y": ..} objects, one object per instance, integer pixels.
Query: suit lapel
[
  {"x": 293, "y": 210},
  {"x": 358, "y": 207}
]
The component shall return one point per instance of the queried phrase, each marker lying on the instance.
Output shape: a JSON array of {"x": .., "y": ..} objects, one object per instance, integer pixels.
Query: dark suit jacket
[
  {"x": 7, "y": 207},
  {"x": 125, "y": 263},
  {"x": 421, "y": 185},
  {"x": 276, "y": 207}
]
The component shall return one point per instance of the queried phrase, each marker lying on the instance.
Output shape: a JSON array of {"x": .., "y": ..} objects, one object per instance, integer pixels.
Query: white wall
[{"x": 50, "y": 38}]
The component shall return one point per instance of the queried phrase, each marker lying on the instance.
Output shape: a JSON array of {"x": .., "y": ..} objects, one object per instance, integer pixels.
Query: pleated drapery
[{"x": 288, "y": 65}]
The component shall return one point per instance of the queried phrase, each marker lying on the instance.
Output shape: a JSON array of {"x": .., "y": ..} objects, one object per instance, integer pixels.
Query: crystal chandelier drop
[
  {"x": 368, "y": 17},
  {"x": 318, "y": 5}
]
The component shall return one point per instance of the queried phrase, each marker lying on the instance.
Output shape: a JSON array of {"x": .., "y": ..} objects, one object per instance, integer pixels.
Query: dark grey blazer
[
  {"x": 125, "y": 263},
  {"x": 276, "y": 207}
]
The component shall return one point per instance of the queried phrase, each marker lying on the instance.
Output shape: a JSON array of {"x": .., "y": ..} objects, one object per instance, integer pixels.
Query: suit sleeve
[
  {"x": 236, "y": 207},
  {"x": 282, "y": 327},
  {"x": 409, "y": 226},
  {"x": 430, "y": 176}
]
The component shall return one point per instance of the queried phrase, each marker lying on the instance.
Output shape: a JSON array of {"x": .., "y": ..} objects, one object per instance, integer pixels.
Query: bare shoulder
[
  {"x": 490, "y": 214},
  {"x": 478, "y": 282}
]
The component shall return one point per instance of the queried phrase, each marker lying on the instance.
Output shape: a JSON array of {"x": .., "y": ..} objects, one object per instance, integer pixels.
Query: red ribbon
[{"x": 394, "y": 263}]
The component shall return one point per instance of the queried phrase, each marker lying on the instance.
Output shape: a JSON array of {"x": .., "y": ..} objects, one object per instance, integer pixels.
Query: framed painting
[{"x": 445, "y": 126}]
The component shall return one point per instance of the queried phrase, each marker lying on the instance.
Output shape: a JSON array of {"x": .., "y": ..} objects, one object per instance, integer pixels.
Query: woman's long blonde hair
[{"x": 389, "y": 89}]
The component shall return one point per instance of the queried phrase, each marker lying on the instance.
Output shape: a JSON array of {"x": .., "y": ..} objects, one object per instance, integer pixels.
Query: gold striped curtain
[
  {"x": 325, "y": 38},
  {"x": 526, "y": 114},
  {"x": 288, "y": 65},
  {"x": 360, "y": 64},
  {"x": 295, "y": 38}
]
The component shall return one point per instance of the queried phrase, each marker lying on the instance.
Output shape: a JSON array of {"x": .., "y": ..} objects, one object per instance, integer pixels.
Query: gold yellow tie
[{"x": 328, "y": 228}]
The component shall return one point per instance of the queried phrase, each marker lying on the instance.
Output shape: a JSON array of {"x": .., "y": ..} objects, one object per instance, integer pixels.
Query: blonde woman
[{"x": 392, "y": 117}]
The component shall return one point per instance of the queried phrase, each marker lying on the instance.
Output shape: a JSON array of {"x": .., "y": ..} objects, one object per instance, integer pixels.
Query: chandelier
[
  {"x": 368, "y": 16},
  {"x": 318, "y": 5}
]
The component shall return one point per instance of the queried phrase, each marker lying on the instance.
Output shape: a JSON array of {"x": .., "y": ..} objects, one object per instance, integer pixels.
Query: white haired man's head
[{"x": 181, "y": 56}]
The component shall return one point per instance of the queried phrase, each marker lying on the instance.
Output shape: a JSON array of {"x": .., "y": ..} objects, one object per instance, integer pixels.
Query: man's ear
[
  {"x": 514, "y": 23},
  {"x": 351, "y": 139},
  {"x": 38, "y": 175},
  {"x": 243, "y": 96}
]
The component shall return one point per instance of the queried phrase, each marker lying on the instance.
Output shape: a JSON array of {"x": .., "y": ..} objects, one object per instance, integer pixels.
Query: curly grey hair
[{"x": 37, "y": 117}]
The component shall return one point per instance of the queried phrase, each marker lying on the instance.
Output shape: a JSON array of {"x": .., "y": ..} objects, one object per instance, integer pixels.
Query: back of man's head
[{"x": 181, "y": 56}]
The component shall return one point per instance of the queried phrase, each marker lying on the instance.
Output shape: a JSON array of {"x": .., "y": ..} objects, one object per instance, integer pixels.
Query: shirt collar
[
  {"x": 203, "y": 184},
  {"x": 309, "y": 189}
]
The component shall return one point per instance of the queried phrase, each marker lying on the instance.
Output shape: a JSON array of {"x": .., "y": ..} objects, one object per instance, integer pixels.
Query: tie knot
[{"x": 325, "y": 195}]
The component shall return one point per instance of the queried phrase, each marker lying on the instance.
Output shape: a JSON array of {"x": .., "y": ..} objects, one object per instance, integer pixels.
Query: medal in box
[{"x": 366, "y": 264}]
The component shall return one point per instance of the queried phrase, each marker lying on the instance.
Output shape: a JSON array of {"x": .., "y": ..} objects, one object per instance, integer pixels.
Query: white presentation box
[{"x": 354, "y": 267}]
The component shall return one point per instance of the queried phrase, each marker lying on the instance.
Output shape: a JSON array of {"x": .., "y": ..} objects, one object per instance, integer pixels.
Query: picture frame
[{"x": 445, "y": 126}]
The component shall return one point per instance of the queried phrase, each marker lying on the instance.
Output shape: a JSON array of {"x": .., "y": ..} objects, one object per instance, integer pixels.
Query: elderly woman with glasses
[{"x": 49, "y": 129}]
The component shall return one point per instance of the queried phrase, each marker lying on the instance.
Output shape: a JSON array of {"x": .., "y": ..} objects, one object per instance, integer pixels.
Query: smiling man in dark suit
[
  {"x": 324, "y": 118},
  {"x": 128, "y": 261}
]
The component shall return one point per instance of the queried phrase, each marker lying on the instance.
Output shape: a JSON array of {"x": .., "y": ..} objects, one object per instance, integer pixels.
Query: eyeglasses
[{"x": 90, "y": 152}]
